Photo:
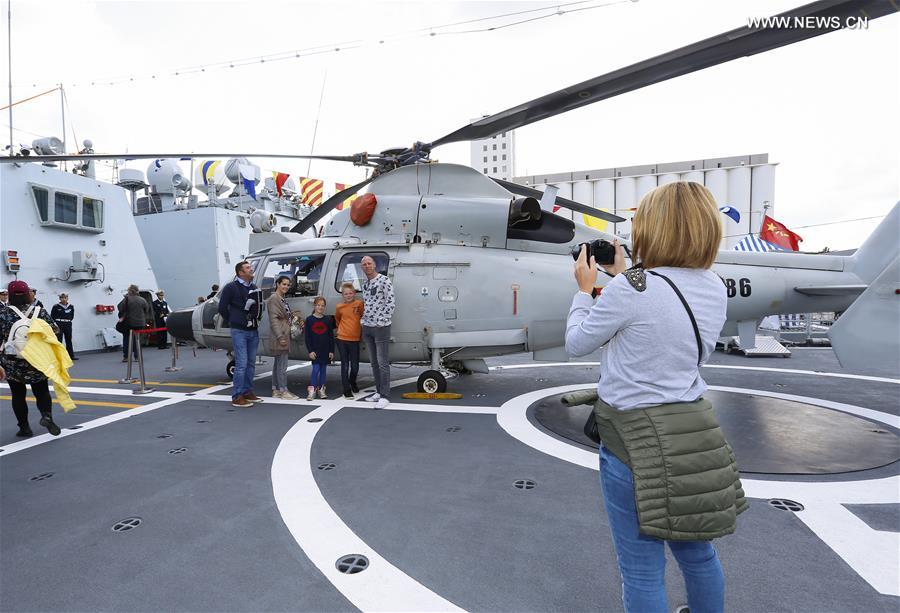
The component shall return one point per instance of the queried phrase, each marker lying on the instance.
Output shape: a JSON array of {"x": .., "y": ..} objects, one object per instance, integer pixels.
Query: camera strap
[{"x": 687, "y": 308}]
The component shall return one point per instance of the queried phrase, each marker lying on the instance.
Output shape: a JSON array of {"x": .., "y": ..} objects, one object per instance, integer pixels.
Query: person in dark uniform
[
  {"x": 160, "y": 312},
  {"x": 63, "y": 314},
  {"x": 215, "y": 290}
]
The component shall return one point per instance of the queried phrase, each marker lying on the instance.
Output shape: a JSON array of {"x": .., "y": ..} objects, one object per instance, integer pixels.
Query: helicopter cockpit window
[
  {"x": 350, "y": 271},
  {"x": 305, "y": 271}
]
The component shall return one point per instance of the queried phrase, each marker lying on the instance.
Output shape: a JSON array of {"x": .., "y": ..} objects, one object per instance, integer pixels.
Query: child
[
  {"x": 320, "y": 345},
  {"x": 347, "y": 316}
]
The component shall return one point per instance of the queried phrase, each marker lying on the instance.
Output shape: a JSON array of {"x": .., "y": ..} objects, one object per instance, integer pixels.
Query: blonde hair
[
  {"x": 677, "y": 224},
  {"x": 319, "y": 299},
  {"x": 348, "y": 285}
]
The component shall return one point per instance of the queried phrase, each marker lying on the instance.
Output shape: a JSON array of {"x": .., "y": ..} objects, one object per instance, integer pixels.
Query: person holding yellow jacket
[{"x": 32, "y": 355}]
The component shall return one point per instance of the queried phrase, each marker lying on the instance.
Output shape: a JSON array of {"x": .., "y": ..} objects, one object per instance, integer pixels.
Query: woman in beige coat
[{"x": 280, "y": 318}]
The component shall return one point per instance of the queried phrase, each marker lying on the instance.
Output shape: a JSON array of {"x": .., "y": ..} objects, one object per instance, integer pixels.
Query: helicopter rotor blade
[
  {"x": 741, "y": 42},
  {"x": 329, "y": 205},
  {"x": 524, "y": 190},
  {"x": 360, "y": 159}
]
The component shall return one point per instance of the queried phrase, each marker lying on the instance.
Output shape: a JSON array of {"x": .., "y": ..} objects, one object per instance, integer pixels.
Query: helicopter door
[{"x": 306, "y": 271}]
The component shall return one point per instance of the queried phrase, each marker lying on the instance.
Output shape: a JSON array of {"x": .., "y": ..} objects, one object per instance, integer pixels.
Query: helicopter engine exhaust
[
  {"x": 179, "y": 325},
  {"x": 524, "y": 209}
]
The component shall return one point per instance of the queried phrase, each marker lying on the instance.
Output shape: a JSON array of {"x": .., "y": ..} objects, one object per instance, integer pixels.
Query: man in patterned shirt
[{"x": 378, "y": 296}]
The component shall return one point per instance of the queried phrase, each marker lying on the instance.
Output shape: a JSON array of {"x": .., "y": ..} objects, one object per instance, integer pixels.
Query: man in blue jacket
[{"x": 239, "y": 305}]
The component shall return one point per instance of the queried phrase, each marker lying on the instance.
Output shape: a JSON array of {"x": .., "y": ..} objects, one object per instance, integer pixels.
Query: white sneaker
[
  {"x": 289, "y": 396},
  {"x": 373, "y": 398},
  {"x": 277, "y": 394},
  {"x": 382, "y": 403}
]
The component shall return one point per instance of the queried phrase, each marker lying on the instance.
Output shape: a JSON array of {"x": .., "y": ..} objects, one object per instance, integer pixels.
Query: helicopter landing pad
[
  {"x": 768, "y": 434},
  {"x": 176, "y": 501}
]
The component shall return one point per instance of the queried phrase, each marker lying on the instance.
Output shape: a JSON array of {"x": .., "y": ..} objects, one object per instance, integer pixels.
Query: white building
[
  {"x": 746, "y": 183},
  {"x": 495, "y": 156}
]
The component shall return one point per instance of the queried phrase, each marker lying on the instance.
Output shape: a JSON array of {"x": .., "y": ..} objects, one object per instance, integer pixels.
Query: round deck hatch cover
[{"x": 352, "y": 564}]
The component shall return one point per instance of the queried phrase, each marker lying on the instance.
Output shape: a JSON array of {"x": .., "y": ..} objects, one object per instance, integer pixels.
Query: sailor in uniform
[
  {"x": 63, "y": 314},
  {"x": 160, "y": 312}
]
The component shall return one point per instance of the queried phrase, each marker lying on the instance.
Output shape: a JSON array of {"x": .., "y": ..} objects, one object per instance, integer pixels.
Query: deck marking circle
[{"x": 873, "y": 554}]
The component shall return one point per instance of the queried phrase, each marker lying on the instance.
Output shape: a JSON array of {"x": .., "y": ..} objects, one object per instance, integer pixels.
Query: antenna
[
  {"x": 315, "y": 128},
  {"x": 9, "y": 56}
]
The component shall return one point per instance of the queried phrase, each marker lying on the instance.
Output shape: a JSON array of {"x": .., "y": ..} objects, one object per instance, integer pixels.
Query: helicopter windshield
[{"x": 303, "y": 270}]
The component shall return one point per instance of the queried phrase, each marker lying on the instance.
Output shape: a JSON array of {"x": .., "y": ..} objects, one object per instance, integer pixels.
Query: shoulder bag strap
[{"x": 689, "y": 312}]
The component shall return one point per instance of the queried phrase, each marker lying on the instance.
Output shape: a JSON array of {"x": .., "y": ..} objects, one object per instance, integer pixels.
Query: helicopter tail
[{"x": 867, "y": 333}]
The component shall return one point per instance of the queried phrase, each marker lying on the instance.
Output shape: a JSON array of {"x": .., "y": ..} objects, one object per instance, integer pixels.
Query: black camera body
[{"x": 603, "y": 252}]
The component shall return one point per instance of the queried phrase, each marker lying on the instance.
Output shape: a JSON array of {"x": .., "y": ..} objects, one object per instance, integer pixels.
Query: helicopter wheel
[
  {"x": 229, "y": 370},
  {"x": 431, "y": 382}
]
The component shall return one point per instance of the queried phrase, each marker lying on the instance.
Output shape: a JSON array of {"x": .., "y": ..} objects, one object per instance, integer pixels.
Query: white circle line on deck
[
  {"x": 324, "y": 538},
  {"x": 792, "y": 371},
  {"x": 873, "y": 554}
]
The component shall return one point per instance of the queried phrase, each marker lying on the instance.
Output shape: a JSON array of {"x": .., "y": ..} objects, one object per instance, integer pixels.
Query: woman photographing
[{"x": 667, "y": 473}]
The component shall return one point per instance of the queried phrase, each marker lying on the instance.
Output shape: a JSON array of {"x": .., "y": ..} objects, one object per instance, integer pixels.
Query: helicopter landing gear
[
  {"x": 432, "y": 382},
  {"x": 229, "y": 370}
]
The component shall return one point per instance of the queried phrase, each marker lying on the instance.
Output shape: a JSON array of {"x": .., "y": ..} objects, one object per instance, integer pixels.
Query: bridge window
[
  {"x": 69, "y": 210},
  {"x": 66, "y": 209}
]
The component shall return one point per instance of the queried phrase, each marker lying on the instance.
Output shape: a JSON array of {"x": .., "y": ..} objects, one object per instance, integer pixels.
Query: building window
[
  {"x": 66, "y": 208},
  {"x": 485, "y": 171},
  {"x": 503, "y": 135},
  {"x": 495, "y": 158},
  {"x": 485, "y": 159},
  {"x": 484, "y": 147},
  {"x": 504, "y": 156},
  {"x": 41, "y": 197},
  {"x": 504, "y": 169},
  {"x": 495, "y": 146},
  {"x": 504, "y": 145},
  {"x": 495, "y": 169}
]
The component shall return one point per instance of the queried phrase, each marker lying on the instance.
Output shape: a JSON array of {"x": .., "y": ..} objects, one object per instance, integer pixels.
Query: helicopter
[{"x": 481, "y": 267}]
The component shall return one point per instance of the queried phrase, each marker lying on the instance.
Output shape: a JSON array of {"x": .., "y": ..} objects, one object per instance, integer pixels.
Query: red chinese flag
[{"x": 777, "y": 234}]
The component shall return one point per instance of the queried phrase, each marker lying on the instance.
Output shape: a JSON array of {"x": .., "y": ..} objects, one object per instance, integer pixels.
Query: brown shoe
[
  {"x": 252, "y": 397},
  {"x": 241, "y": 402}
]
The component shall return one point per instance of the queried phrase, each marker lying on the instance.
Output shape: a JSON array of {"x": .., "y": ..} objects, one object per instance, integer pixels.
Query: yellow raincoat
[{"x": 49, "y": 356}]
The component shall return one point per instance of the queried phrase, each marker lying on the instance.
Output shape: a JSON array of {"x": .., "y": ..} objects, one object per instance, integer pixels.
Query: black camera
[{"x": 603, "y": 252}]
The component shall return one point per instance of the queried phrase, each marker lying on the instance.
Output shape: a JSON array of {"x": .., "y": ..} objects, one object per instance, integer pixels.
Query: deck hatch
[
  {"x": 352, "y": 564},
  {"x": 41, "y": 477},
  {"x": 524, "y": 484},
  {"x": 784, "y": 504},
  {"x": 127, "y": 524}
]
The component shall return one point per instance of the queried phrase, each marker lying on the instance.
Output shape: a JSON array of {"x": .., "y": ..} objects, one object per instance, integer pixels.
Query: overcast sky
[{"x": 825, "y": 110}]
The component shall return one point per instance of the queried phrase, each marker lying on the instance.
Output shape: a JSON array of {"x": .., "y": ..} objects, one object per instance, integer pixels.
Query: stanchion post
[
  {"x": 144, "y": 389},
  {"x": 128, "y": 378}
]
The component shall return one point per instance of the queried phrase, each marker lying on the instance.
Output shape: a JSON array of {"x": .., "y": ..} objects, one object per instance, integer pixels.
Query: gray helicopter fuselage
[{"x": 473, "y": 278}]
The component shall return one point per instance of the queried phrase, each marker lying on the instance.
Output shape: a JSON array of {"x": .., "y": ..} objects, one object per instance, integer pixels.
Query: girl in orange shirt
[{"x": 347, "y": 316}]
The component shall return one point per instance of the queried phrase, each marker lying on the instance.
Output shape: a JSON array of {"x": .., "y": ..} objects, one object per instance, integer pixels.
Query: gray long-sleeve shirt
[{"x": 649, "y": 348}]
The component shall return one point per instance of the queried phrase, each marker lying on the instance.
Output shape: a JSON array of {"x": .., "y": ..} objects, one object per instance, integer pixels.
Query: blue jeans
[
  {"x": 244, "y": 343},
  {"x": 642, "y": 559},
  {"x": 317, "y": 378}
]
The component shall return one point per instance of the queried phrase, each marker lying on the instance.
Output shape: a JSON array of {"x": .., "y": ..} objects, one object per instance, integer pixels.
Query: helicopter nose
[{"x": 179, "y": 325}]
